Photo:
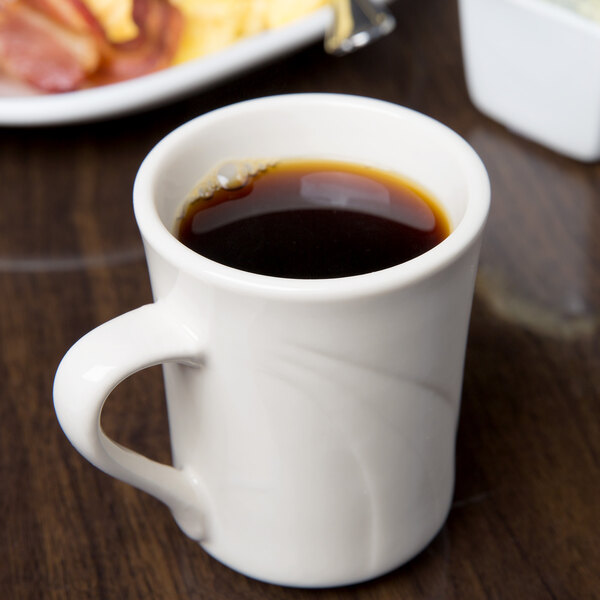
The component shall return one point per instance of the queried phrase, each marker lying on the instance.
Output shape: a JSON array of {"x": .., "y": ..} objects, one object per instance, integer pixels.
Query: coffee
[{"x": 311, "y": 219}]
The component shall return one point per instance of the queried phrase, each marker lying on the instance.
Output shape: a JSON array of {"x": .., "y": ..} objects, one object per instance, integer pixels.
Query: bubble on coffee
[{"x": 230, "y": 175}]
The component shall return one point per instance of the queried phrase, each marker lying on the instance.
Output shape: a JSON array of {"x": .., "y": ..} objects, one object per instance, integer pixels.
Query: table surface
[{"x": 525, "y": 520}]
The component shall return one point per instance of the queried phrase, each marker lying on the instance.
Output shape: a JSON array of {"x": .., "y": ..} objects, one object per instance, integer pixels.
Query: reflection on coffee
[{"x": 311, "y": 219}]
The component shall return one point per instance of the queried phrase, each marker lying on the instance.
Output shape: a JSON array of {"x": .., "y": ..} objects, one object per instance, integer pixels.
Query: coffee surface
[{"x": 314, "y": 219}]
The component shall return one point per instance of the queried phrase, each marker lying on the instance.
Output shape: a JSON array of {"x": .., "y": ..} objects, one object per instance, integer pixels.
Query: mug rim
[{"x": 157, "y": 235}]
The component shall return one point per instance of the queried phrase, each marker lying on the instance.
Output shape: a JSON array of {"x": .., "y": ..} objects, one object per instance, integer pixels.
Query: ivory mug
[{"x": 312, "y": 422}]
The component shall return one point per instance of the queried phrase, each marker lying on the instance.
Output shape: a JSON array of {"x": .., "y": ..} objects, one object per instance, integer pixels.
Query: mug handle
[{"x": 93, "y": 367}]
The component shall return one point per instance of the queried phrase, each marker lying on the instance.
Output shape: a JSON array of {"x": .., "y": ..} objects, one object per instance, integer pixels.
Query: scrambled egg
[
  {"x": 209, "y": 25},
  {"x": 115, "y": 16}
]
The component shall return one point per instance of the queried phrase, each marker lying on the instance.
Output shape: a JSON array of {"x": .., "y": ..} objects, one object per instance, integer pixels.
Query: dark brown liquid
[{"x": 314, "y": 220}]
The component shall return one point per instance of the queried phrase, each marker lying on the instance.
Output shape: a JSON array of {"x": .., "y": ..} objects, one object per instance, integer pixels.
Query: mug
[{"x": 312, "y": 422}]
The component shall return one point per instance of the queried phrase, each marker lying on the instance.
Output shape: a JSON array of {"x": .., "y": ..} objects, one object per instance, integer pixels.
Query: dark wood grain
[{"x": 525, "y": 522}]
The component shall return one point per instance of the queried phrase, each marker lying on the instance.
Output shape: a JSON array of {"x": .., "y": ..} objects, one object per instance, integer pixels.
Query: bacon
[
  {"x": 35, "y": 49},
  {"x": 58, "y": 45},
  {"x": 72, "y": 14},
  {"x": 160, "y": 25}
]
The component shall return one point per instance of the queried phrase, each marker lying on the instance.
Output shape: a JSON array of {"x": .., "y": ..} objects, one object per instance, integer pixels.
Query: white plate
[{"x": 22, "y": 106}]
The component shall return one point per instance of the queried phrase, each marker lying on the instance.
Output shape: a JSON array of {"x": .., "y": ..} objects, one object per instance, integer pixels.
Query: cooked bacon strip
[
  {"x": 58, "y": 45},
  {"x": 35, "y": 49},
  {"x": 72, "y": 14},
  {"x": 160, "y": 25}
]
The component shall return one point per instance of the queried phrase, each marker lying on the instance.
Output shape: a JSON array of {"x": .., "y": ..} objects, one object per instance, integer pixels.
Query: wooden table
[{"x": 525, "y": 522}]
